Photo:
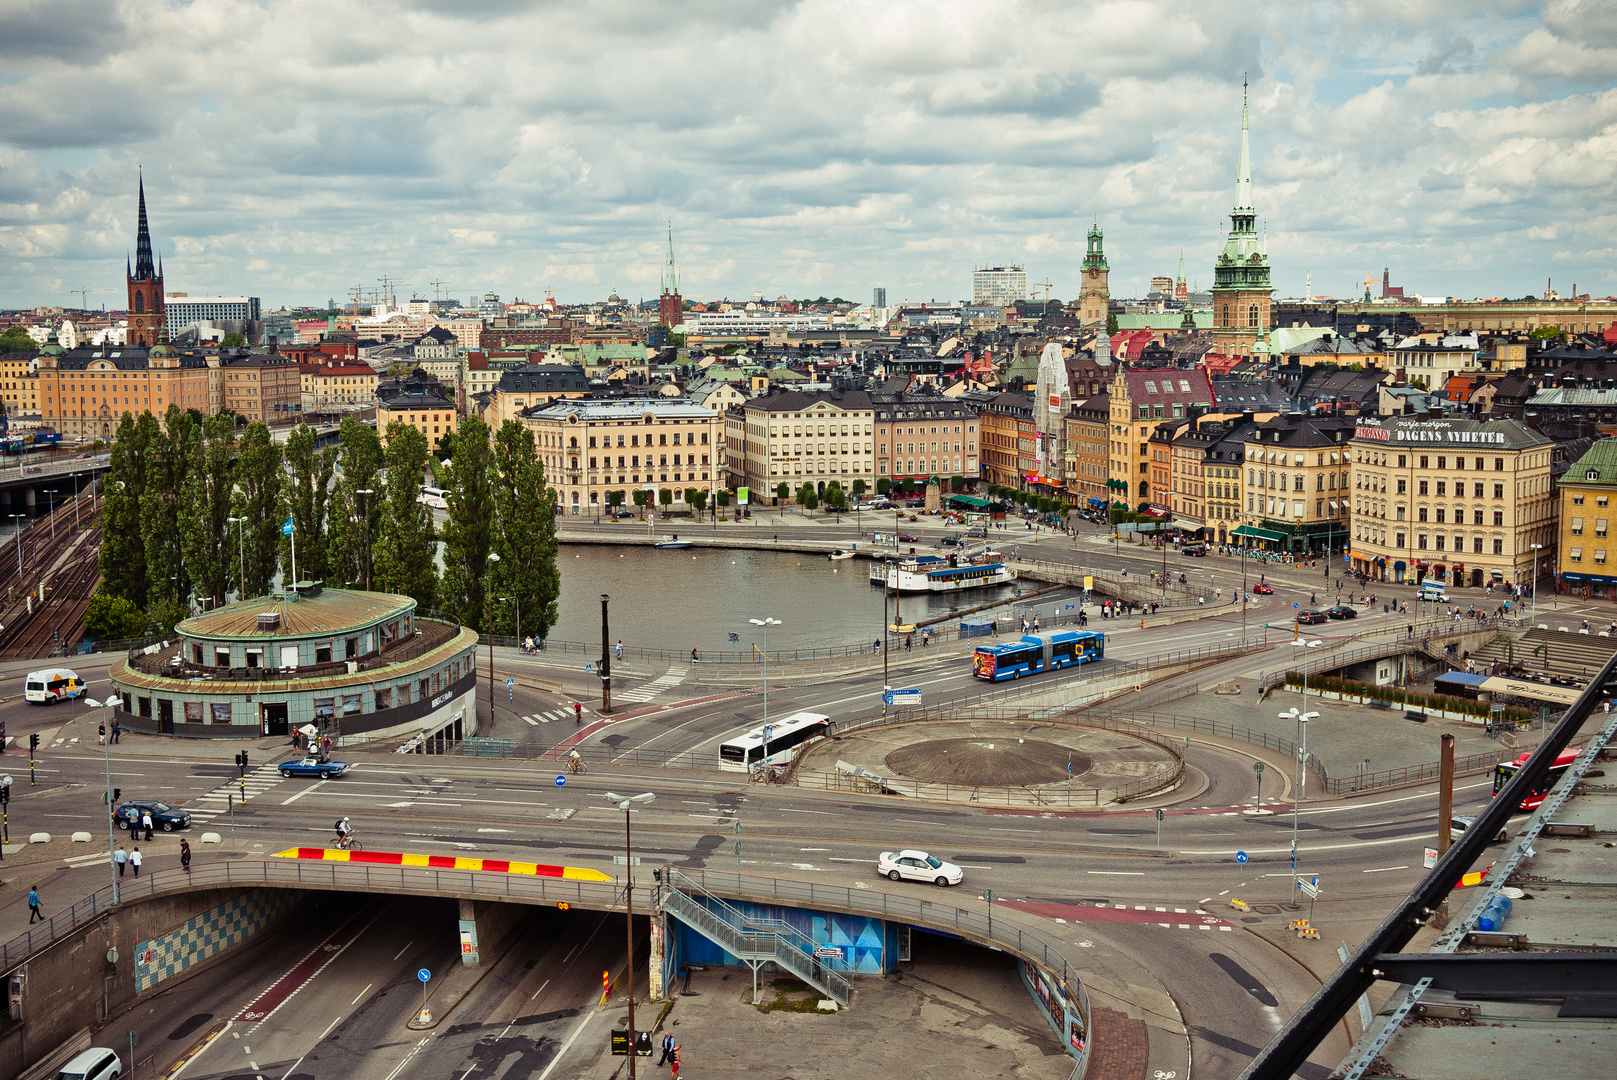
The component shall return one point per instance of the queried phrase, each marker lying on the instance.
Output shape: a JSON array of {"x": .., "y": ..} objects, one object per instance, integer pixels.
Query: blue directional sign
[
  {"x": 589, "y": 667},
  {"x": 561, "y": 781},
  {"x": 911, "y": 698},
  {"x": 509, "y": 683},
  {"x": 424, "y": 975},
  {"x": 1240, "y": 856},
  {"x": 1296, "y": 605}
]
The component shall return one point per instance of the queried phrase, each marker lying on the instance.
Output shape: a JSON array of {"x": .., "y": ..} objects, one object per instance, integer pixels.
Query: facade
[
  {"x": 1052, "y": 400},
  {"x": 1458, "y": 501},
  {"x": 1241, "y": 287},
  {"x": 144, "y": 284},
  {"x": 923, "y": 435},
  {"x": 998, "y": 286},
  {"x": 84, "y": 393},
  {"x": 1189, "y": 451},
  {"x": 256, "y": 386},
  {"x": 1222, "y": 470},
  {"x": 670, "y": 305},
  {"x": 798, "y": 437},
  {"x": 353, "y": 664},
  {"x": 521, "y": 388},
  {"x": 1585, "y": 493},
  {"x": 1094, "y": 295},
  {"x": 1294, "y": 490},
  {"x": 591, "y": 447},
  {"x": 741, "y": 324},
  {"x": 1140, "y": 399},
  {"x": 422, "y": 404},
  {"x": 19, "y": 385},
  {"x": 1087, "y": 451},
  {"x": 181, "y": 311},
  {"x": 328, "y": 383},
  {"x": 1431, "y": 366},
  {"x": 1009, "y": 441}
]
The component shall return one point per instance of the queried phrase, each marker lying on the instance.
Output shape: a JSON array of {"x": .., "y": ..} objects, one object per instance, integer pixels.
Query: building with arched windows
[{"x": 1241, "y": 288}]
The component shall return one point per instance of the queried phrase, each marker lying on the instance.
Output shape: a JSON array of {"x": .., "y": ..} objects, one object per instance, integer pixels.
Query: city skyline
[{"x": 818, "y": 150}]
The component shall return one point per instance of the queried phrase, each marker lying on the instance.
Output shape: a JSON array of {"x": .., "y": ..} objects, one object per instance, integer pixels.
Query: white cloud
[{"x": 296, "y": 147}]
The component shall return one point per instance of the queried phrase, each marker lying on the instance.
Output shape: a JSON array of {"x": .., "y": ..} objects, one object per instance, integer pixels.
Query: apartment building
[
  {"x": 19, "y": 386},
  {"x": 591, "y": 447},
  {"x": 1221, "y": 469},
  {"x": 329, "y": 383},
  {"x": 800, "y": 437},
  {"x": 1294, "y": 487},
  {"x": 84, "y": 393},
  {"x": 1088, "y": 459},
  {"x": 1457, "y": 501},
  {"x": 1140, "y": 399},
  {"x": 421, "y": 403},
  {"x": 1009, "y": 439},
  {"x": 256, "y": 386},
  {"x": 1585, "y": 493},
  {"x": 919, "y": 436}
]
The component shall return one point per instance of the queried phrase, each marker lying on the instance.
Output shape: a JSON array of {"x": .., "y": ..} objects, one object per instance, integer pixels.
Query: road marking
[
  {"x": 848, "y": 860},
  {"x": 363, "y": 992},
  {"x": 531, "y": 721},
  {"x": 789, "y": 810},
  {"x": 541, "y": 989},
  {"x": 407, "y": 944},
  {"x": 1383, "y": 869},
  {"x": 577, "y": 1031},
  {"x": 302, "y": 793},
  {"x": 86, "y": 860},
  {"x": 1117, "y": 873},
  {"x": 417, "y": 1049}
]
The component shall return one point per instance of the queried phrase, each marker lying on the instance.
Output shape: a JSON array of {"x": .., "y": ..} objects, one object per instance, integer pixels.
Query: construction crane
[
  {"x": 1046, "y": 286},
  {"x": 438, "y": 288},
  {"x": 84, "y": 296},
  {"x": 389, "y": 290},
  {"x": 357, "y": 294},
  {"x": 1369, "y": 281}
]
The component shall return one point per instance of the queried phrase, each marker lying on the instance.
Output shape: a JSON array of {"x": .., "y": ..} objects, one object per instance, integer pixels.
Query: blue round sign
[
  {"x": 1240, "y": 856},
  {"x": 424, "y": 975},
  {"x": 561, "y": 781}
]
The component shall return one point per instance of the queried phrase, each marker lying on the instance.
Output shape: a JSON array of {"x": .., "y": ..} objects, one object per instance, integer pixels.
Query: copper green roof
[
  {"x": 332, "y": 611},
  {"x": 1598, "y": 466}
]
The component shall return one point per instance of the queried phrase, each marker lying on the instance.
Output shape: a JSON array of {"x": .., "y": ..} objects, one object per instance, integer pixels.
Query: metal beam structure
[{"x": 1575, "y": 976}]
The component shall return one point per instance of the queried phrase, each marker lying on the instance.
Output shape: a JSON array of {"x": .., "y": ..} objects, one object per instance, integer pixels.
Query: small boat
[
  {"x": 672, "y": 543},
  {"x": 838, "y": 555}
]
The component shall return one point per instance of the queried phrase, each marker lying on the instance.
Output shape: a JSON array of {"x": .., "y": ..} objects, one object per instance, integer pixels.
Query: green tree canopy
[
  {"x": 469, "y": 532},
  {"x": 526, "y": 579},
  {"x": 205, "y": 508},
  {"x": 113, "y": 618},
  {"x": 259, "y": 480},
  {"x": 407, "y": 547},
  {"x": 307, "y": 501},
  {"x": 356, "y": 504},
  {"x": 167, "y": 460},
  {"x": 123, "y": 553},
  {"x": 16, "y": 339}
]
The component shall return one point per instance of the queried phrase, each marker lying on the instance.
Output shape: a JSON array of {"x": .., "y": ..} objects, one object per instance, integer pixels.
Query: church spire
[
  {"x": 1243, "y": 171},
  {"x": 670, "y": 271},
  {"x": 144, "y": 271}
]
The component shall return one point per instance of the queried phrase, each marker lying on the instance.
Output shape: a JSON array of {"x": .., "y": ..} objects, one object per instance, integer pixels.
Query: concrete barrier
[
  {"x": 81, "y": 838},
  {"x": 209, "y": 838},
  {"x": 40, "y": 838}
]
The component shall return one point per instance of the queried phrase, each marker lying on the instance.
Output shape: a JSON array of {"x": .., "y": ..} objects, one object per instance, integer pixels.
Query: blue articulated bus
[{"x": 1034, "y": 653}]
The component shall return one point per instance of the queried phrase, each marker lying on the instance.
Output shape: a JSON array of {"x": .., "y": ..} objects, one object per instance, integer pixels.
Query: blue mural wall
[
  {"x": 1067, "y": 1018},
  {"x": 869, "y": 945}
]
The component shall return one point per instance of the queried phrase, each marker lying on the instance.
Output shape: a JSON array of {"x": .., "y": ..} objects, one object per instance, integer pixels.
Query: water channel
[{"x": 696, "y": 598}]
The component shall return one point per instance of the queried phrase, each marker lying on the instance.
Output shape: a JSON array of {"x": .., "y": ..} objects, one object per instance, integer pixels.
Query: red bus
[{"x": 1506, "y": 770}]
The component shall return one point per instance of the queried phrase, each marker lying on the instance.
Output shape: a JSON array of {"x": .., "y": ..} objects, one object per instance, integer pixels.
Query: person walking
[
  {"x": 185, "y": 856},
  {"x": 135, "y": 860},
  {"x": 668, "y": 1050},
  {"x": 101, "y": 734},
  {"x": 33, "y": 905},
  {"x": 674, "y": 1062},
  {"x": 117, "y": 731},
  {"x": 121, "y": 857},
  {"x": 146, "y": 823}
]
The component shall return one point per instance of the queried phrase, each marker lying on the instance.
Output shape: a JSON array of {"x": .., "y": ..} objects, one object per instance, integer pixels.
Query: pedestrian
[
  {"x": 620, "y": 648},
  {"x": 185, "y": 856},
  {"x": 101, "y": 734},
  {"x": 121, "y": 857},
  {"x": 135, "y": 860},
  {"x": 694, "y": 657},
  {"x": 33, "y": 905},
  {"x": 117, "y": 731},
  {"x": 668, "y": 1049},
  {"x": 146, "y": 823},
  {"x": 674, "y": 1062}
]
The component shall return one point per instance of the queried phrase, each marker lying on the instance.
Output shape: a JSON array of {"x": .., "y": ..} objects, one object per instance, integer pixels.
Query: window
[
  {"x": 1423, "y": 461},
  {"x": 1442, "y": 488},
  {"x": 1476, "y": 490},
  {"x": 1440, "y": 515},
  {"x": 1575, "y": 554},
  {"x": 424, "y": 689},
  {"x": 1498, "y": 545},
  {"x": 351, "y": 704},
  {"x": 1400, "y": 513},
  {"x": 324, "y": 710},
  {"x": 350, "y": 648},
  {"x": 193, "y": 712},
  {"x": 1403, "y": 487},
  {"x": 1499, "y": 491},
  {"x": 1498, "y": 464},
  {"x": 1601, "y": 500},
  {"x": 1150, "y": 387},
  {"x": 1421, "y": 488},
  {"x": 1421, "y": 514},
  {"x": 322, "y": 652},
  {"x": 1498, "y": 517},
  {"x": 1420, "y": 542},
  {"x": 1600, "y": 526},
  {"x": 1398, "y": 539},
  {"x": 384, "y": 698},
  {"x": 1476, "y": 542}
]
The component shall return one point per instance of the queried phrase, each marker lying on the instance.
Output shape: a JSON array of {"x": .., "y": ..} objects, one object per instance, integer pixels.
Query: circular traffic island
[{"x": 989, "y": 761}]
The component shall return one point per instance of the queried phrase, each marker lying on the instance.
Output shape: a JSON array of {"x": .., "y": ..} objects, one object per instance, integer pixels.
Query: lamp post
[
  {"x": 493, "y": 557},
  {"x": 18, "y": 527},
  {"x": 1534, "y": 583},
  {"x": 518, "y": 599},
  {"x": 106, "y": 756},
  {"x": 365, "y": 514},
  {"x": 1301, "y": 716},
  {"x": 241, "y": 549},
  {"x": 75, "y": 478},
  {"x": 50, "y": 510},
  {"x": 626, "y": 803},
  {"x": 766, "y": 623}
]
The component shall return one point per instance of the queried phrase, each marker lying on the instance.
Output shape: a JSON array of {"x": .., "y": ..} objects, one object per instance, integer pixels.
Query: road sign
[
  {"x": 1257, "y": 767},
  {"x": 827, "y": 952},
  {"x": 588, "y": 668},
  {"x": 1159, "y": 813},
  {"x": 1430, "y": 858},
  {"x": 561, "y": 781},
  {"x": 509, "y": 683},
  {"x": 1309, "y": 889},
  {"x": 910, "y": 699},
  {"x": 424, "y": 975},
  {"x": 1240, "y": 856},
  {"x": 626, "y": 860}
]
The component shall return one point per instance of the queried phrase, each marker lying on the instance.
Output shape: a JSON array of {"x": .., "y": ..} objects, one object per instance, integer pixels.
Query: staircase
[
  {"x": 1568, "y": 655},
  {"x": 753, "y": 941}
]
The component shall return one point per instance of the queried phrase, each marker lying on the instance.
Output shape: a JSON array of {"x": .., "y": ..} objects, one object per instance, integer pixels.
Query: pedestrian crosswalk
[
  {"x": 550, "y": 717},
  {"x": 673, "y": 677},
  {"x": 217, "y": 801}
]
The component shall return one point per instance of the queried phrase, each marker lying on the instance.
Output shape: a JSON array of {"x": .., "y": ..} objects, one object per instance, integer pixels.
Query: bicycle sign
[{"x": 1240, "y": 856}]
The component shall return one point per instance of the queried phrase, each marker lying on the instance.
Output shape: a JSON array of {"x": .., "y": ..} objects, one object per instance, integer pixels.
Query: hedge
[{"x": 1396, "y": 696}]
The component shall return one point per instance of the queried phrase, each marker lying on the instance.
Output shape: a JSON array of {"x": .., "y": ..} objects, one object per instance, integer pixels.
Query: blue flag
[{"x": 286, "y": 529}]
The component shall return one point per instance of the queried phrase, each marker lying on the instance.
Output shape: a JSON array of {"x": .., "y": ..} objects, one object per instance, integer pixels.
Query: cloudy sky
[{"x": 296, "y": 148}]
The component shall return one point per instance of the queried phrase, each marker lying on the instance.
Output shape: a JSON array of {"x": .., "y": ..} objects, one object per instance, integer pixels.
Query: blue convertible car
[{"x": 324, "y": 768}]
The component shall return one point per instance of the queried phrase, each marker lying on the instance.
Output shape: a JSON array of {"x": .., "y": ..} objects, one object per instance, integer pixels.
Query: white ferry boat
[{"x": 931, "y": 574}]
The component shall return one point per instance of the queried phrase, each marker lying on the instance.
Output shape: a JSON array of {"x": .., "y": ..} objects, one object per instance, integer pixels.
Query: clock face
[{"x": 1093, "y": 272}]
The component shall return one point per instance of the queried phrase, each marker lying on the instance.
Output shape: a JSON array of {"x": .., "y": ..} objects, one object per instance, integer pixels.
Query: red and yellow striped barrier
[{"x": 443, "y": 862}]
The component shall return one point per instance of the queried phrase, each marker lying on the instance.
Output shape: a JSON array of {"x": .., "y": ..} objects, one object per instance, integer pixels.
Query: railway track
[{"x": 59, "y": 622}]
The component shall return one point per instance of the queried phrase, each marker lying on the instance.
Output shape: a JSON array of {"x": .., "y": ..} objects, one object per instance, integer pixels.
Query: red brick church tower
[
  {"x": 670, "y": 305},
  {"x": 146, "y": 317}
]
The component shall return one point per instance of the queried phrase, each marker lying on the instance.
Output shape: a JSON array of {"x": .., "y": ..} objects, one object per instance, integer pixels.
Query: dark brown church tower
[{"x": 146, "y": 315}]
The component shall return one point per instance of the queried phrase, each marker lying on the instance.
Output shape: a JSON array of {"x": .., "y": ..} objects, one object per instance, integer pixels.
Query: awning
[
  {"x": 1571, "y": 577},
  {"x": 1261, "y": 534},
  {"x": 1097, "y": 502},
  {"x": 1152, "y": 510},
  {"x": 968, "y": 500},
  {"x": 1588, "y": 579},
  {"x": 1188, "y": 525}
]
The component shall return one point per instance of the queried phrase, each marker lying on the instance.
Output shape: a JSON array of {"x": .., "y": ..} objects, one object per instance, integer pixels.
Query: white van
[
  {"x": 97, "y": 1063},
  {"x": 1431, "y": 590},
  {"x": 435, "y": 498},
  {"x": 51, "y": 685}
]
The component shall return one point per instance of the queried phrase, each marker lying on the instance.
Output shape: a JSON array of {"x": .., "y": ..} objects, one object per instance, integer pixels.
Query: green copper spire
[
  {"x": 1243, "y": 171},
  {"x": 670, "y": 272}
]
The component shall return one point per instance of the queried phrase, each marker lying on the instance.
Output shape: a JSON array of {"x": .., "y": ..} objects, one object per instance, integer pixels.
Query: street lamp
[
  {"x": 766, "y": 623},
  {"x": 75, "y": 478},
  {"x": 106, "y": 756},
  {"x": 626, "y": 803},
  {"x": 50, "y": 510},
  {"x": 365, "y": 513},
  {"x": 518, "y": 599},
  {"x": 493, "y": 557},
  {"x": 18, "y": 529},
  {"x": 1534, "y": 583},
  {"x": 241, "y": 546},
  {"x": 1301, "y": 716}
]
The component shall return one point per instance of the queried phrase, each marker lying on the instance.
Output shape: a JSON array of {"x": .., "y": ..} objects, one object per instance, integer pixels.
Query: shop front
[{"x": 1587, "y": 586}]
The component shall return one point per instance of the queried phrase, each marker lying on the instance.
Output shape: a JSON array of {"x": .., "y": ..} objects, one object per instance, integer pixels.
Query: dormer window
[{"x": 1592, "y": 474}]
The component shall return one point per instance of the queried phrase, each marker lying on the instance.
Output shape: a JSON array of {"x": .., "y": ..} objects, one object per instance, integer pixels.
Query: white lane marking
[
  {"x": 363, "y": 992},
  {"x": 813, "y": 849},
  {"x": 1390, "y": 802},
  {"x": 541, "y": 989},
  {"x": 789, "y": 810},
  {"x": 86, "y": 860},
  {"x": 848, "y": 860},
  {"x": 407, "y": 944},
  {"x": 565, "y": 1046},
  {"x": 1120, "y": 873},
  {"x": 304, "y": 792},
  {"x": 187, "y": 1063},
  {"x": 1311, "y": 847},
  {"x": 1383, "y": 869},
  {"x": 416, "y": 1050},
  {"x": 531, "y": 721}
]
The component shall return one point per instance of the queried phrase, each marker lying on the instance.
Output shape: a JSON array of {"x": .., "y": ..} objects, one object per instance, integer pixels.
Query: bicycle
[
  {"x": 346, "y": 843},
  {"x": 578, "y": 767}
]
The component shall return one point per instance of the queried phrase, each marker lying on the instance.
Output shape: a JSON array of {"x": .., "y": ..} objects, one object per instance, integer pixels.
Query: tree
[
  {"x": 123, "y": 555},
  {"x": 1111, "y": 324},
  {"x": 783, "y": 491},
  {"x": 806, "y": 497},
  {"x": 858, "y": 488},
  {"x": 446, "y": 446},
  {"x": 642, "y": 499},
  {"x": 355, "y": 518},
  {"x": 883, "y": 486},
  {"x": 614, "y": 499},
  {"x": 696, "y": 499},
  {"x": 407, "y": 546},
  {"x": 525, "y": 536},
  {"x": 469, "y": 532},
  {"x": 113, "y": 618},
  {"x": 835, "y": 499},
  {"x": 957, "y": 483},
  {"x": 722, "y": 499},
  {"x": 163, "y": 616},
  {"x": 16, "y": 339},
  {"x": 665, "y": 496},
  {"x": 205, "y": 508},
  {"x": 233, "y": 341},
  {"x": 259, "y": 480},
  {"x": 307, "y": 501},
  {"x": 167, "y": 460}
]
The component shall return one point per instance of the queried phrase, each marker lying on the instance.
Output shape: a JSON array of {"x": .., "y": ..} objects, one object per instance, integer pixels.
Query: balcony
[{"x": 169, "y": 663}]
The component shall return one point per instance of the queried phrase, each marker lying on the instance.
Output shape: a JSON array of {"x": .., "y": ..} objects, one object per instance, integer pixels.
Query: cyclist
[
  {"x": 345, "y": 832},
  {"x": 574, "y": 762},
  {"x": 578, "y": 713}
]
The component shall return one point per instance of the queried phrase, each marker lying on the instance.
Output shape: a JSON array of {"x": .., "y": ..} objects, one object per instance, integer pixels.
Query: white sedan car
[{"x": 917, "y": 866}]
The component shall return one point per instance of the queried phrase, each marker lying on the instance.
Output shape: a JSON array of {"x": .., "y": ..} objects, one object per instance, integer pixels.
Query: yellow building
[
  {"x": 19, "y": 386},
  {"x": 591, "y": 447},
  {"x": 1140, "y": 399},
  {"x": 84, "y": 393},
  {"x": 1457, "y": 501},
  {"x": 798, "y": 438},
  {"x": 331, "y": 382},
  {"x": 1087, "y": 451},
  {"x": 1585, "y": 493},
  {"x": 422, "y": 404},
  {"x": 1294, "y": 484}
]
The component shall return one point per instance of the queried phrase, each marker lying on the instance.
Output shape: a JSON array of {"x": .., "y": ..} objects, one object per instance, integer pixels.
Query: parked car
[
  {"x": 1309, "y": 617},
  {"x": 1263, "y": 588},
  {"x": 908, "y": 538},
  {"x": 951, "y": 540},
  {"x": 97, "y": 1063},
  {"x": 164, "y": 816},
  {"x": 1341, "y": 611},
  {"x": 324, "y": 768},
  {"x": 916, "y": 865}
]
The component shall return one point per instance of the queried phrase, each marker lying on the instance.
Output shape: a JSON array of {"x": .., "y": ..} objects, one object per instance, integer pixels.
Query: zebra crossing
[
  {"x": 549, "y": 717},
  {"x": 673, "y": 677},
  {"x": 217, "y": 801}
]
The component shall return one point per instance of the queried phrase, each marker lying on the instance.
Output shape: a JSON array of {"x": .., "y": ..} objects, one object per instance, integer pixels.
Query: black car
[
  {"x": 1310, "y": 617},
  {"x": 1341, "y": 611},
  {"x": 164, "y": 816}
]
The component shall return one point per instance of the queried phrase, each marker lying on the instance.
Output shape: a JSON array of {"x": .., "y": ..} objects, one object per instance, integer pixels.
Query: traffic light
[
  {"x": 241, "y": 762},
  {"x": 33, "y": 741},
  {"x": 117, "y": 793},
  {"x": 5, "y": 793}
]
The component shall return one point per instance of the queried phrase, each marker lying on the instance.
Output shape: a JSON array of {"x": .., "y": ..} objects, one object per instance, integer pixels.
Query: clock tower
[
  {"x": 1093, "y": 293},
  {"x": 1241, "y": 289}
]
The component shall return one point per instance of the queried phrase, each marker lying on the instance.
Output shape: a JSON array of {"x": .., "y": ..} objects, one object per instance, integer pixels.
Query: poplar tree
[
  {"x": 407, "y": 539},
  {"x": 469, "y": 532},
  {"x": 306, "y": 500},
  {"x": 525, "y": 536},
  {"x": 205, "y": 508},
  {"x": 355, "y": 519},
  {"x": 166, "y": 461},
  {"x": 123, "y": 555},
  {"x": 259, "y": 480}
]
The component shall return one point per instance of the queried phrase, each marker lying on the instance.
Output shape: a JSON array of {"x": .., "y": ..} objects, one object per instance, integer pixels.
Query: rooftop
[{"x": 327, "y": 611}]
